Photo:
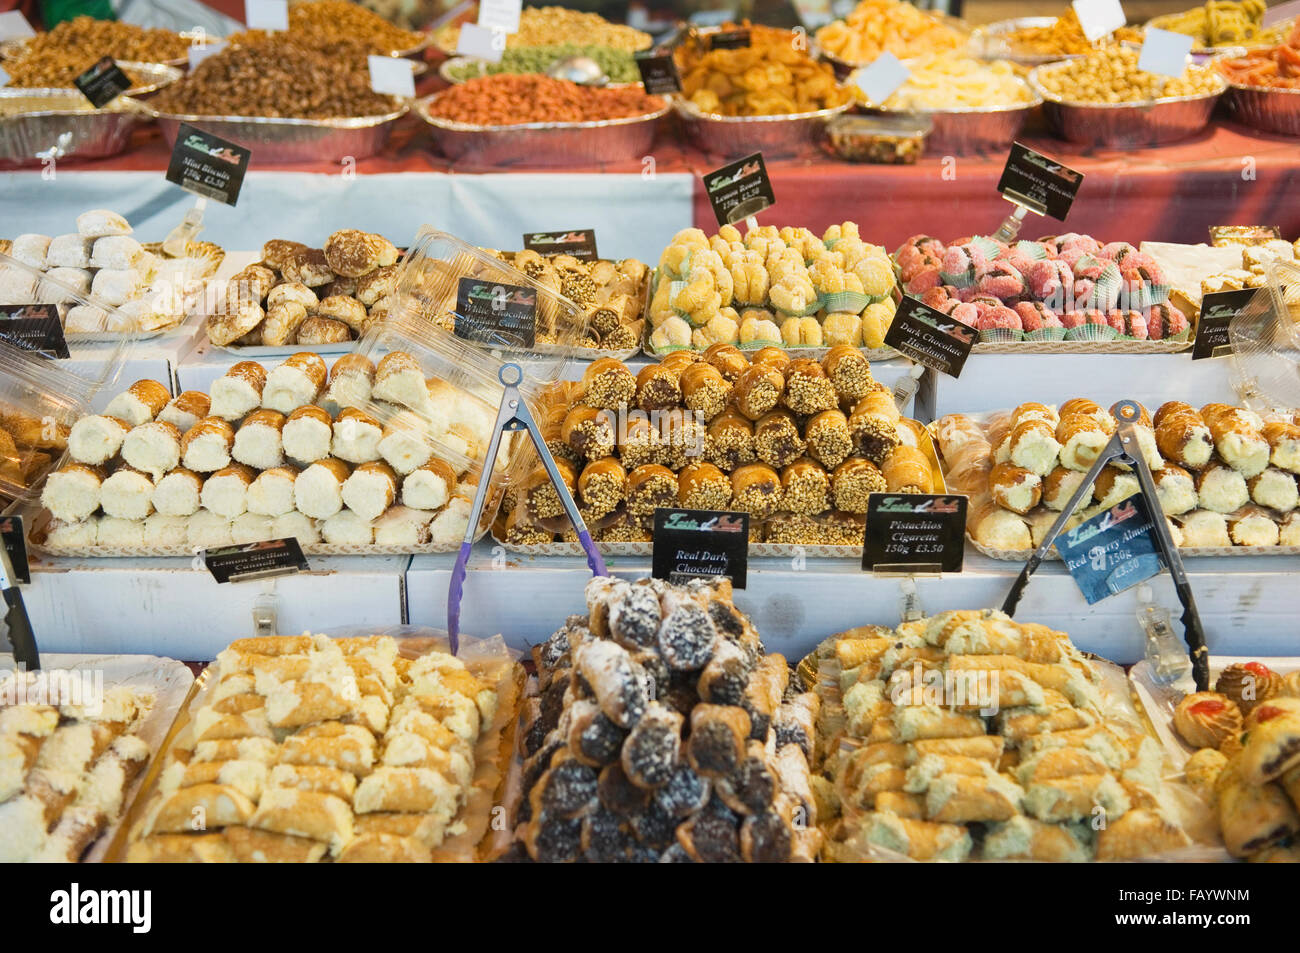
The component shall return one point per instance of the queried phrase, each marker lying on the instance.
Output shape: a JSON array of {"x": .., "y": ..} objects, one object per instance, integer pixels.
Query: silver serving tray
[
  {"x": 155, "y": 76},
  {"x": 293, "y": 140},
  {"x": 1126, "y": 125},
  {"x": 543, "y": 143},
  {"x": 1272, "y": 110},
  {"x": 456, "y": 62},
  {"x": 58, "y": 128},
  {"x": 990, "y": 42},
  {"x": 737, "y": 136},
  {"x": 13, "y": 49}
]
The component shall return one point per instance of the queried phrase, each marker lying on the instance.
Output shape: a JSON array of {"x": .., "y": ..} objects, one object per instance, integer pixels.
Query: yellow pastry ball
[
  {"x": 875, "y": 322},
  {"x": 759, "y": 333},
  {"x": 674, "y": 332},
  {"x": 723, "y": 329},
  {"x": 876, "y": 274},
  {"x": 842, "y": 327},
  {"x": 801, "y": 332}
]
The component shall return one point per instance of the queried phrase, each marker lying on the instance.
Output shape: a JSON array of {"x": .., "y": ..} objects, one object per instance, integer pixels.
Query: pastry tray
[
  {"x": 1022, "y": 555},
  {"x": 169, "y": 681},
  {"x": 1081, "y": 347},
  {"x": 491, "y": 756},
  {"x": 1158, "y": 699},
  {"x": 756, "y": 550},
  {"x": 814, "y": 353}
]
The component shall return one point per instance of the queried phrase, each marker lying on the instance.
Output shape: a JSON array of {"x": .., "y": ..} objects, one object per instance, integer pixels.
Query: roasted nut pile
[
  {"x": 508, "y": 99},
  {"x": 1112, "y": 76},
  {"x": 53, "y": 60},
  {"x": 617, "y": 64},
  {"x": 274, "y": 77},
  {"x": 333, "y": 20},
  {"x": 551, "y": 26}
]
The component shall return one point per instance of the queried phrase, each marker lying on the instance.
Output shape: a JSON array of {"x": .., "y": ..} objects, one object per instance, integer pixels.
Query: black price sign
[
  {"x": 658, "y": 73},
  {"x": 1040, "y": 184},
  {"x": 930, "y": 337},
  {"x": 693, "y": 544},
  {"x": 208, "y": 165},
  {"x": 496, "y": 314},
  {"x": 729, "y": 40},
  {"x": 103, "y": 83},
  {"x": 272, "y": 557},
  {"x": 15, "y": 543},
  {"x": 1113, "y": 551},
  {"x": 34, "y": 327},
  {"x": 914, "y": 532},
  {"x": 578, "y": 242},
  {"x": 1217, "y": 311},
  {"x": 739, "y": 190}
]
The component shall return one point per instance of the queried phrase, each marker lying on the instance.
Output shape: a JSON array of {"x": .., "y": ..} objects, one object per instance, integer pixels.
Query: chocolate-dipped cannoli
[
  {"x": 657, "y": 387},
  {"x": 757, "y": 390},
  {"x": 607, "y": 384},
  {"x": 617, "y": 793},
  {"x": 728, "y": 359},
  {"x": 687, "y": 637},
  {"x": 853, "y": 482},
  {"x": 730, "y": 441},
  {"x": 776, "y": 439},
  {"x": 756, "y": 489},
  {"x": 602, "y": 486},
  {"x": 829, "y": 439},
  {"x": 874, "y": 425},
  {"x": 702, "y": 486},
  {"x": 650, "y": 487},
  {"x": 588, "y": 432},
  {"x": 704, "y": 389},
  {"x": 805, "y": 488},
  {"x": 716, "y": 745},
  {"x": 849, "y": 371},
  {"x": 614, "y": 679},
  {"x": 808, "y": 390},
  {"x": 651, "y": 749},
  {"x": 752, "y": 787}
]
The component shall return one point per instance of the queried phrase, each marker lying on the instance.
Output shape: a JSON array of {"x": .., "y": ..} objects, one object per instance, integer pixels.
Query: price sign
[
  {"x": 578, "y": 242},
  {"x": 882, "y": 78},
  {"x": 208, "y": 165},
  {"x": 1113, "y": 551},
  {"x": 496, "y": 314},
  {"x": 392, "y": 75},
  {"x": 103, "y": 83},
  {"x": 1038, "y": 183},
  {"x": 1164, "y": 52},
  {"x": 658, "y": 73},
  {"x": 1217, "y": 311},
  {"x": 500, "y": 15},
  {"x": 914, "y": 532},
  {"x": 690, "y": 544},
  {"x": 34, "y": 327},
  {"x": 1099, "y": 18},
  {"x": 15, "y": 543},
  {"x": 272, "y": 557},
  {"x": 931, "y": 337},
  {"x": 729, "y": 40},
  {"x": 740, "y": 189},
  {"x": 14, "y": 26},
  {"x": 268, "y": 15},
  {"x": 481, "y": 43},
  {"x": 201, "y": 51}
]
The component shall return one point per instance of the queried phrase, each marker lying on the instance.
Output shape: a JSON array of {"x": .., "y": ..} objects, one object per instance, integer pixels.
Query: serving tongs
[
  {"x": 513, "y": 415},
  {"x": 1123, "y": 447}
]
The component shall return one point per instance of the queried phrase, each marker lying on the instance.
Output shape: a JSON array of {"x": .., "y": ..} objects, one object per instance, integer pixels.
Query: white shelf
[{"x": 1247, "y": 605}]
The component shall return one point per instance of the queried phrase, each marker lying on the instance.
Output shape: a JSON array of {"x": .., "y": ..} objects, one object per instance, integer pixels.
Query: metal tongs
[
  {"x": 1124, "y": 448},
  {"x": 513, "y": 415},
  {"x": 18, "y": 627}
]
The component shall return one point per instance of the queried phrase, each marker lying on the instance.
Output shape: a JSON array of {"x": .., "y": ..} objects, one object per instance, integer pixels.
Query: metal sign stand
[
  {"x": 513, "y": 415},
  {"x": 1123, "y": 447},
  {"x": 21, "y": 638}
]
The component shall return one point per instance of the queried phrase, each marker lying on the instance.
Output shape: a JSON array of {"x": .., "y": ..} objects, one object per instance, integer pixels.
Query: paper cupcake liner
[
  {"x": 851, "y": 301},
  {"x": 965, "y": 279},
  {"x": 987, "y": 246},
  {"x": 1030, "y": 249},
  {"x": 1092, "y": 332},
  {"x": 813, "y": 308},
  {"x": 1148, "y": 295},
  {"x": 1047, "y": 334},
  {"x": 1001, "y": 335}
]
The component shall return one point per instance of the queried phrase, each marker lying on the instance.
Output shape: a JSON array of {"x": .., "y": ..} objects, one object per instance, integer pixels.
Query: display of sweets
[
  {"x": 662, "y": 732},
  {"x": 770, "y": 286}
]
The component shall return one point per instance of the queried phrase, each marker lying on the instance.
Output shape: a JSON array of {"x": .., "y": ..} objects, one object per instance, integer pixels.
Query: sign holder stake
[
  {"x": 511, "y": 416},
  {"x": 21, "y": 638},
  {"x": 1123, "y": 447}
]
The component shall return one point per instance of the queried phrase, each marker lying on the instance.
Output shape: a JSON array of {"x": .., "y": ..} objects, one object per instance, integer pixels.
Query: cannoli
[
  {"x": 206, "y": 447},
  {"x": 238, "y": 391},
  {"x": 650, "y": 752},
  {"x": 602, "y": 486},
  {"x": 1284, "y": 445},
  {"x": 225, "y": 492},
  {"x": 589, "y": 432},
  {"x": 258, "y": 441},
  {"x": 296, "y": 382},
  {"x": 758, "y": 389},
  {"x": 95, "y": 439},
  {"x": 72, "y": 493},
  {"x": 351, "y": 381},
  {"x": 250, "y": 528},
  {"x": 272, "y": 492},
  {"x": 805, "y": 488},
  {"x": 919, "y": 840},
  {"x": 140, "y": 403},
  {"x": 1237, "y": 438},
  {"x": 402, "y": 443},
  {"x": 203, "y": 807},
  {"x": 320, "y": 817},
  {"x": 1204, "y": 528},
  {"x": 1182, "y": 435},
  {"x": 650, "y": 487},
  {"x": 1076, "y": 798},
  {"x": 250, "y": 845},
  {"x": 400, "y": 380},
  {"x": 318, "y": 490},
  {"x": 613, "y": 677},
  {"x": 181, "y": 849},
  {"x": 1253, "y": 526},
  {"x": 186, "y": 409},
  {"x": 429, "y": 486},
  {"x": 1082, "y": 437},
  {"x": 306, "y": 434},
  {"x": 907, "y": 470},
  {"x": 370, "y": 490},
  {"x": 127, "y": 494},
  {"x": 874, "y": 425},
  {"x": 1015, "y": 488},
  {"x": 1275, "y": 489},
  {"x": 1023, "y": 838},
  {"x": 1221, "y": 488},
  {"x": 207, "y": 530},
  {"x": 1253, "y": 816}
]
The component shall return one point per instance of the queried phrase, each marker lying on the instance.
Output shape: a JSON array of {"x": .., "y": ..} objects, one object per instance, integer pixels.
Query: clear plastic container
[
  {"x": 883, "y": 140},
  {"x": 41, "y": 397},
  {"x": 434, "y": 276}
]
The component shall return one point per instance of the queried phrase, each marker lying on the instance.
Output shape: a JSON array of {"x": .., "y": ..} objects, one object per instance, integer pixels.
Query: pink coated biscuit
[
  {"x": 1002, "y": 281},
  {"x": 1000, "y": 317},
  {"x": 966, "y": 313}
]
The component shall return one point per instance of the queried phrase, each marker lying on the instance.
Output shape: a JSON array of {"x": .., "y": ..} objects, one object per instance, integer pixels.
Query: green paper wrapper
[
  {"x": 1030, "y": 250},
  {"x": 1047, "y": 334},
  {"x": 854, "y": 301},
  {"x": 1001, "y": 336},
  {"x": 1092, "y": 332}
]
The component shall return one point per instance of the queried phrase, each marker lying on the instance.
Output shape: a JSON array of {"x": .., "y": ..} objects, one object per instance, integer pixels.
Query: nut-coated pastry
[{"x": 702, "y": 486}]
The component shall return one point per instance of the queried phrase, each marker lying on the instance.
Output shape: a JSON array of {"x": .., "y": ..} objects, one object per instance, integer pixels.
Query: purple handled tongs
[{"x": 513, "y": 415}]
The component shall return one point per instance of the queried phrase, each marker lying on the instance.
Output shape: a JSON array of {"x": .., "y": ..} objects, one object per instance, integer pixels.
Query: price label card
[
  {"x": 272, "y": 557},
  {"x": 1217, "y": 311},
  {"x": 481, "y": 43},
  {"x": 266, "y": 15},
  {"x": 15, "y": 543},
  {"x": 201, "y": 51},
  {"x": 1040, "y": 184},
  {"x": 813, "y": 13},
  {"x": 500, "y": 15},
  {"x": 914, "y": 532},
  {"x": 882, "y": 78},
  {"x": 1113, "y": 551},
  {"x": 496, "y": 314},
  {"x": 1165, "y": 52},
  {"x": 578, "y": 242},
  {"x": 103, "y": 83},
  {"x": 739, "y": 190},
  {"x": 1099, "y": 17},
  {"x": 392, "y": 75},
  {"x": 34, "y": 327},
  {"x": 14, "y": 26},
  {"x": 208, "y": 165},
  {"x": 658, "y": 73},
  {"x": 729, "y": 40},
  {"x": 930, "y": 337},
  {"x": 693, "y": 544}
]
